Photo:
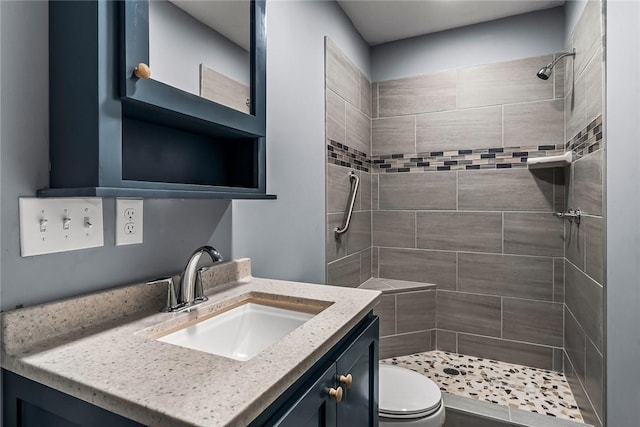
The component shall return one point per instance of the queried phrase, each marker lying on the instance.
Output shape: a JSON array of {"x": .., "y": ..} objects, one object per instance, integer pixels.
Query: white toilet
[{"x": 408, "y": 399}]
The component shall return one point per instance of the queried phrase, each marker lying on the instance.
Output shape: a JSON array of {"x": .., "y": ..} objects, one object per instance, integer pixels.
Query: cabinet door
[
  {"x": 314, "y": 408},
  {"x": 359, "y": 406}
]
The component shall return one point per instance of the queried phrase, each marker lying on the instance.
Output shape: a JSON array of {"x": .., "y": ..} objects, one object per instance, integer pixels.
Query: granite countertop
[{"x": 100, "y": 348}]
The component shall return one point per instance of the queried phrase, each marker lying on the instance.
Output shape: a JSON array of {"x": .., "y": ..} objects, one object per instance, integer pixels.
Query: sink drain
[{"x": 451, "y": 371}]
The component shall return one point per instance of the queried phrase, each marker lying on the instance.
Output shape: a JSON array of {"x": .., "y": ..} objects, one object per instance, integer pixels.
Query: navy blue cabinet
[
  {"x": 114, "y": 134},
  {"x": 350, "y": 370}
]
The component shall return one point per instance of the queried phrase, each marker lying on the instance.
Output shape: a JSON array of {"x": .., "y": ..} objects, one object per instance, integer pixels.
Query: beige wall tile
[
  {"x": 532, "y": 321},
  {"x": 365, "y": 95},
  {"x": 402, "y": 345},
  {"x": 429, "y": 191},
  {"x": 342, "y": 76},
  {"x": 336, "y": 117},
  {"x": 446, "y": 341},
  {"x": 503, "y": 83},
  {"x": 338, "y": 188},
  {"x": 460, "y": 231},
  {"x": 584, "y": 298},
  {"x": 587, "y": 184},
  {"x": 421, "y": 94},
  {"x": 595, "y": 248},
  {"x": 418, "y": 266},
  {"x": 386, "y": 310},
  {"x": 510, "y": 190},
  {"x": 574, "y": 343},
  {"x": 359, "y": 232},
  {"x": 534, "y": 123},
  {"x": 394, "y": 228},
  {"x": 344, "y": 272},
  {"x": 506, "y": 275},
  {"x": 416, "y": 311},
  {"x": 533, "y": 234},
  {"x": 459, "y": 129},
  {"x": 394, "y": 135},
  {"x": 358, "y": 130},
  {"x": 336, "y": 246},
  {"x": 461, "y": 312},
  {"x": 507, "y": 351}
]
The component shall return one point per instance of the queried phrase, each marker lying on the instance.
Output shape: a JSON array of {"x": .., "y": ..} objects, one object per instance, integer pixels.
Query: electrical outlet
[{"x": 129, "y": 215}]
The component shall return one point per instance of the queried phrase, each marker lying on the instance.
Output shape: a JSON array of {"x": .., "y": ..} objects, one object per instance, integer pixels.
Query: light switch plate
[
  {"x": 59, "y": 225},
  {"x": 129, "y": 216}
]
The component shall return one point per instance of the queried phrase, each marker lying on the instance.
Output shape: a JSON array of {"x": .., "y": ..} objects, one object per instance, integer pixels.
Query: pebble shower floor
[{"x": 517, "y": 386}]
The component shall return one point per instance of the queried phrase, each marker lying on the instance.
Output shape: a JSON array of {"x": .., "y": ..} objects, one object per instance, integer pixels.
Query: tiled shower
[{"x": 446, "y": 198}]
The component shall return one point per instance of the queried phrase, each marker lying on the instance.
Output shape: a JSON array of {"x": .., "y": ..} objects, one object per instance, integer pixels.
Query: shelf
[
  {"x": 150, "y": 193},
  {"x": 550, "y": 161}
]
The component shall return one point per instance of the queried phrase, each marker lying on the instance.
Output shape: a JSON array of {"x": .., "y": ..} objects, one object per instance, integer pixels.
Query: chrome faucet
[{"x": 190, "y": 282}]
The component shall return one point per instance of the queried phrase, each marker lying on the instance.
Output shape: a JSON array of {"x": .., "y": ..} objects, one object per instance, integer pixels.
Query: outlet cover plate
[
  {"x": 59, "y": 225},
  {"x": 129, "y": 221}
]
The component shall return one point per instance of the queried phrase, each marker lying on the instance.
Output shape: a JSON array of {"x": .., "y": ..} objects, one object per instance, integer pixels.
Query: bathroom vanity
[{"x": 99, "y": 360}]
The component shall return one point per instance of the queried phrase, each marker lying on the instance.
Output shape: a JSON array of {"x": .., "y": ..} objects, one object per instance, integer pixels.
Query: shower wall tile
[
  {"x": 344, "y": 272},
  {"x": 575, "y": 109},
  {"x": 532, "y": 321},
  {"x": 459, "y": 129},
  {"x": 365, "y": 95},
  {"x": 507, "y": 351},
  {"x": 341, "y": 75},
  {"x": 503, "y": 83},
  {"x": 364, "y": 191},
  {"x": 335, "y": 117},
  {"x": 393, "y": 135},
  {"x": 559, "y": 72},
  {"x": 374, "y": 261},
  {"x": 560, "y": 190},
  {"x": 359, "y": 232},
  {"x": 509, "y": 190},
  {"x": 460, "y": 231},
  {"x": 338, "y": 188},
  {"x": 558, "y": 359},
  {"x": 587, "y": 411},
  {"x": 375, "y": 205},
  {"x": 374, "y": 100},
  {"x": 365, "y": 265},
  {"x": 593, "y": 87},
  {"x": 400, "y": 345},
  {"x": 584, "y": 298},
  {"x": 414, "y": 191},
  {"x": 418, "y": 266},
  {"x": 358, "y": 130},
  {"x": 595, "y": 248},
  {"x": 386, "y": 311},
  {"x": 575, "y": 243},
  {"x": 336, "y": 246},
  {"x": 594, "y": 378},
  {"x": 533, "y": 234},
  {"x": 558, "y": 279},
  {"x": 421, "y": 94},
  {"x": 394, "y": 229},
  {"x": 574, "y": 343},
  {"x": 446, "y": 341},
  {"x": 476, "y": 314},
  {"x": 587, "y": 35},
  {"x": 587, "y": 184},
  {"x": 506, "y": 275},
  {"x": 416, "y": 311},
  {"x": 542, "y": 122}
]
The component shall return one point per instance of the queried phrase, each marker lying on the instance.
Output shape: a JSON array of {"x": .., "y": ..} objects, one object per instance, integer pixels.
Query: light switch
[{"x": 59, "y": 225}]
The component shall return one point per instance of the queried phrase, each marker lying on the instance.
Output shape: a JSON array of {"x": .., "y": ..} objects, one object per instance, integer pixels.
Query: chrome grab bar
[{"x": 355, "y": 182}]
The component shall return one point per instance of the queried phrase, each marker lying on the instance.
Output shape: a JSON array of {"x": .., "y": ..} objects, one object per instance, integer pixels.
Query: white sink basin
[{"x": 241, "y": 332}]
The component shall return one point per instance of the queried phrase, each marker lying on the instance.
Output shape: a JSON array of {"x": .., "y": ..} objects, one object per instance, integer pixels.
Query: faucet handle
[
  {"x": 172, "y": 300},
  {"x": 199, "y": 291}
]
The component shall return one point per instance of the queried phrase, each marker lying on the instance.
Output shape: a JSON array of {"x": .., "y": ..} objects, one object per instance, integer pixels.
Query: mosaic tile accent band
[
  {"x": 584, "y": 142},
  {"x": 588, "y": 139},
  {"x": 482, "y": 158},
  {"x": 343, "y": 155},
  {"x": 501, "y": 383}
]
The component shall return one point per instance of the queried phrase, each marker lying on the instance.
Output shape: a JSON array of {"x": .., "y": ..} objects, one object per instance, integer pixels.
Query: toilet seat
[{"x": 405, "y": 394}]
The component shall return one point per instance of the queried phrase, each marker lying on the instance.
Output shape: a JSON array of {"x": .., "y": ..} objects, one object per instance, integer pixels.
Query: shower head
[{"x": 545, "y": 72}]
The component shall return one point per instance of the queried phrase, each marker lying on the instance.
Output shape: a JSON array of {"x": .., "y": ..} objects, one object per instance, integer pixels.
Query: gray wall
[
  {"x": 623, "y": 212},
  {"x": 285, "y": 238},
  {"x": 524, "y": 36},
  {"x": 179, "y": 43},
  {"x": 173, "y": 228}
]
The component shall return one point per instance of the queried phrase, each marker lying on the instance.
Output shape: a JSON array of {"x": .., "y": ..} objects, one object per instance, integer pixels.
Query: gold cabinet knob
[
  {"x": 336, "y": 394},
  {"x": 142, "y": 71},
  {"x": 346, "y": 380}
]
